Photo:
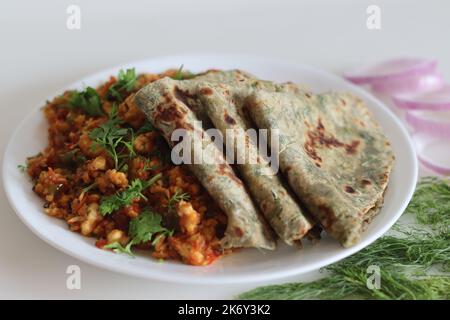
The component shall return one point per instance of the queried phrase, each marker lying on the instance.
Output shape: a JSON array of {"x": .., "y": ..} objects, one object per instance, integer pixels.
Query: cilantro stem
[
  {"x": 110, "y": 136},
  {"x": 124, "y": 198}
]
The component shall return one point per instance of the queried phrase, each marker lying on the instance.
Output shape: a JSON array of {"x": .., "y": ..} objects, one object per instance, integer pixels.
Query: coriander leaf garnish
[
  {"x": 125, "y": 83},
  {"x": 22, "y": 167},
  {"x": 124, "y": 198},
  {"x": 87, "y": 100},
  {"x": 147, "y": 127},
  {"x": 144, "y": 227},
  {"x": 110, "y": 136},
  {"x": 118, "y": 248}
]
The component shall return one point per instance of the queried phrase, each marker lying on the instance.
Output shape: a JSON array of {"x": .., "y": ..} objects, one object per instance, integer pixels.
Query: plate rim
[{"x": 166, "y": 276}]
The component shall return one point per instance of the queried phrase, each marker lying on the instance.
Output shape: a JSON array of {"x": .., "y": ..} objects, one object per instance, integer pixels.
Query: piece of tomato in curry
[{"x": 73, "y": 174}]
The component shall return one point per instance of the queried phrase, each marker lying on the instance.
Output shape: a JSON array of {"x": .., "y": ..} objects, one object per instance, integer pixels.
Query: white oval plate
[{"x": 243, "y": 266}]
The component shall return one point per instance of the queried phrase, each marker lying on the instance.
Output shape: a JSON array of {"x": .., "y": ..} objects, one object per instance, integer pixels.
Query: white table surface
[{"x": 39, "y": 55}]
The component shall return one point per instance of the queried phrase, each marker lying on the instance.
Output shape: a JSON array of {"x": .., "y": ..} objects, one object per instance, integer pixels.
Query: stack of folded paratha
[{"x": 335, "y": 161}]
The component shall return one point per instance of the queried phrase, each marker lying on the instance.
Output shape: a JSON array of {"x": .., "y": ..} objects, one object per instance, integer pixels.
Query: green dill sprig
[
  {"x": 87, "y": 100},
  {"x": 405, "y": 260},
  {"x": 124, "y": 198},
  {"x": 351, "y": 284},
  {"x": 125, "y": 84},
  {"x": 431, "y": 203}
]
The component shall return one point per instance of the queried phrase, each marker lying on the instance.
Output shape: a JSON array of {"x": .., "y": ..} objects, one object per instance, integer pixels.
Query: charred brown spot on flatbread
[
  {"x": 168, "y": 114},
  {"x": 238, "y": 232},
  {"x": 184, "y": 96},
  {"x": 264, "y": 205},
  {"x": 319, "y": 136},
  {"x": 349, "y": 189},
  {"x": 310, "y": 148},
  {"x": 228, "y": 119},
  {"x": 383, "y": 178},
  {"x": 329, "y": 216},
  {"x": 225, "y": 170},
  {"x": 206, "y": 91},
  {"x": 352, "y": 147}
]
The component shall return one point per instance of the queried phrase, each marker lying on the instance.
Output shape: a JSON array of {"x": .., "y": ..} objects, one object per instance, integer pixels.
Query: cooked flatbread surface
[
  {"x": 332, "y": 152},
  {"x": 224, "y": 105},
  {"x": 167, "y": 111}
]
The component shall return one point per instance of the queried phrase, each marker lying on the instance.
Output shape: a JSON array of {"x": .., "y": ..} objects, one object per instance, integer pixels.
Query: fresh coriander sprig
[
  {"x": 124, "y": 198},
  {"x": 110, "y": 136},
  {"x": 147, "y": 127},
  {"x": 118, "y": 248},
  {"x": 125, "y": 84},
  {"x": 87, "y": 100},
  {"x": 144, "y": 228}
]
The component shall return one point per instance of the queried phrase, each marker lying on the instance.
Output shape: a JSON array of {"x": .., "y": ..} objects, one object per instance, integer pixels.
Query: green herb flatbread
[
  {"x": 161, "y": 103},
  {"x": 333, "y": 154},
  {"x": 224, "y": 106}
]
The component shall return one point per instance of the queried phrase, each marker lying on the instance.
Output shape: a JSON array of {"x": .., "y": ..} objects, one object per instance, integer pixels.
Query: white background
[{"x": 39, "y": 55}]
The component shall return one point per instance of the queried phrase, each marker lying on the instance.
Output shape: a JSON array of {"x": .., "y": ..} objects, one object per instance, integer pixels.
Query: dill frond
[{"x": 404, "y": 259}]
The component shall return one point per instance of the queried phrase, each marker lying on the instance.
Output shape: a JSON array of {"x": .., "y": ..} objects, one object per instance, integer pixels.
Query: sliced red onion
[
  {"x": 433, "y": 153},
  {"x": 395, "y": 69},
  {"x": 412, "y": 85},
  {"x": 435, "y": 123},
  {"x": 437, "y": 100}
]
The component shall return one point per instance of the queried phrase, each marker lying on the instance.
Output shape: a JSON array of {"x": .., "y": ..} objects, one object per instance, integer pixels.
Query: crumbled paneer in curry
[{"x": 108, "y": 174}]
